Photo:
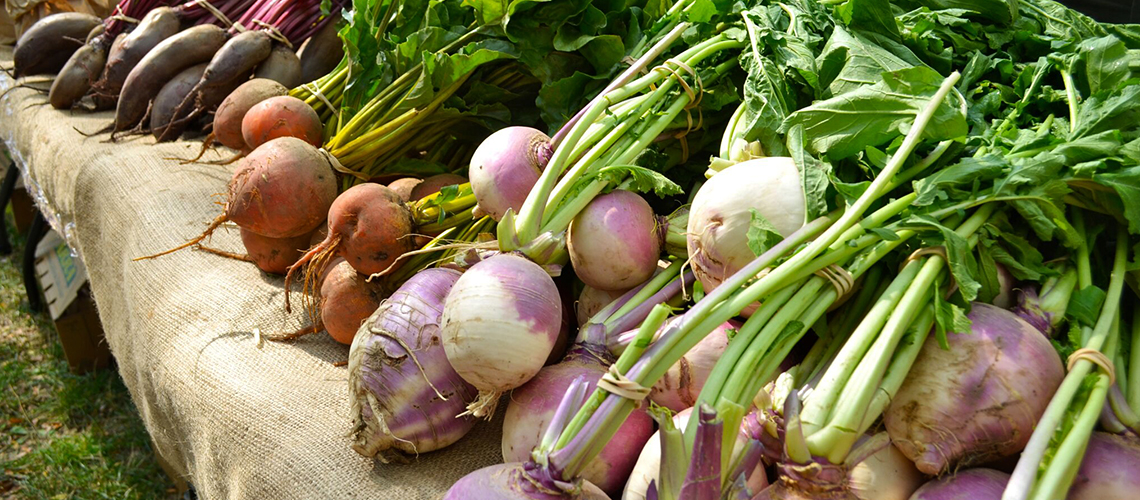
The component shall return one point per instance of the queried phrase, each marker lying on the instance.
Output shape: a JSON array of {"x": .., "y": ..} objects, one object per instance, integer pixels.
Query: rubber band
[
  {"x": 274, "y": 33},
  {"x": 685, "y": 85},
  {"x": 630, "y": 61},
  {"x": 217, "y": 13},
  {"x": 1095, "y": 357},
  {"x": 124, "y": 18},
  {"x": 316, "y": 91},
  {"x": 842, "y": 280},
  {"x": 939, "y": 251},
  {"x": 696, "y": 101},
  {"x": 617, "y": 384}
]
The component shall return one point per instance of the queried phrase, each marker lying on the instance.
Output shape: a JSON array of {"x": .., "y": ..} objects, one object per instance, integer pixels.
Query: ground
[{"x": 64, "y": 436}]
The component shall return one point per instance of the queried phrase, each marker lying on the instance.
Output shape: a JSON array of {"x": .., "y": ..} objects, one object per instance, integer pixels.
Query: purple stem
[
  {"x": 702, "y": 482},
  {"x": 597, "y": 333}
]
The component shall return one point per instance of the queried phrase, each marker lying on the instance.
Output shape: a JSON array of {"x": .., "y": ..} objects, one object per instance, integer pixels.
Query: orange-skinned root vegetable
[
  {"x": 499, "y": 325},
  {"x": 433, "y": 184},
  {"x": 979, "y": 400},
  {"x": 368, "y": 226},
  {"x": 679, "y": 387},
  {"x": 233, "y": 62},
  {"x": 1110, "y": 469},
  {"x": 405, "y": 394},
  {"x": 128, "y": 49},
  {"x": 721, "y": 214},
  {"x": 347, "y": 299},
  {"x": 48, "y": 44},
  {"x": 282, "y": 66},
  {"x": 532, "y": 406},
  {"x": 190, "y": 47},
  {"x": 76, "y": 77},
  {"x": 281, "y": 190},
  {"x": 403, "y": 187},
  {"x": 505, "y": 166},
  {"x": 648, "y": 466},
  {"x": 273, "y": 255},
  {"x": 592, "y": 300},
  {"x": 281, "y": 116},
  {"x": 613, "y": 242},
  {"x": 972, "y": 484},
  {"x": 228, "y": 118}
]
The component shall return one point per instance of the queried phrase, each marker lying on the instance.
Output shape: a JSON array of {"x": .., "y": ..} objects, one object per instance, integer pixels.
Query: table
[{"x": 237, "y": 420}]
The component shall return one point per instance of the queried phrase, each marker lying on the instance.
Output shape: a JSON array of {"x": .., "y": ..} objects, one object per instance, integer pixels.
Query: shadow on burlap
[{"x": 237, "y": 420}]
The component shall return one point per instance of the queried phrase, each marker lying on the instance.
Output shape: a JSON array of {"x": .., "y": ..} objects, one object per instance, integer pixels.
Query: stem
[{"x": 1071, "y": 96}]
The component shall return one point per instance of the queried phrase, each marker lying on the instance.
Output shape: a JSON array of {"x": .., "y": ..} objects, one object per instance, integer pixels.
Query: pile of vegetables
[{"x": 693, "y": 249}]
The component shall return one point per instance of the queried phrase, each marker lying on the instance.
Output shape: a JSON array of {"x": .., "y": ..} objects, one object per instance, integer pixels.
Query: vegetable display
[{"x": 809, "y": 249}]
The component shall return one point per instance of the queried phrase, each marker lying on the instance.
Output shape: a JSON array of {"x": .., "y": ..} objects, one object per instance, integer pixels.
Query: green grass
[{"x": 64, "y": 436}]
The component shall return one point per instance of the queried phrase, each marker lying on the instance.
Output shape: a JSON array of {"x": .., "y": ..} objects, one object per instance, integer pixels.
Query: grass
[{"x": 64, "y": 436}]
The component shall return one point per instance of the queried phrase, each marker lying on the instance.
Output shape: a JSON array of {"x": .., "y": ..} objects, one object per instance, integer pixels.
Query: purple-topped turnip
[
  {"x": 500, "y": 322},
  {"x": 972, "y": 484},
  {"x": 980, "y": 399},
  {"x": 614, "y": 242},
  {"x": 505, "y": 166},
  {"x": 405, "y": 394}
]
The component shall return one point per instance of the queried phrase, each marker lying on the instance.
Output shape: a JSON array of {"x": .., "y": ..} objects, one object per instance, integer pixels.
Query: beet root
[
  {"x": 76, "y": 77},
  {"x": 50, "y": 42}
]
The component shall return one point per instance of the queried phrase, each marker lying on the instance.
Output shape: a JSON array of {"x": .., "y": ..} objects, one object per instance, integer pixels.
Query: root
[
  {"x": 209, "y": 230},
  {"x": 140, "y": 126},
  {"x": 285, "y": 337},
  {"x": 206, "y": 143},
  {"x": 313, "y": 263},
  {"x": 227, "y": 161},
  {"x": 236, "y": 256},
  {"x": 339, "y": 364},
  {"x": 178, "y": 111},
  {"x": 108, "y": 128},
  {"x": 23, "y": 85},
  {"x": 483, "y": 406}
]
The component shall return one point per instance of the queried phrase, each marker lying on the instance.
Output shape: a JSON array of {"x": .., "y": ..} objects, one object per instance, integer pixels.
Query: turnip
[
  {"x": 592, "y": 300},
  {"x": 614, "y": 242},
  {"x": 970, "y": 484},
  {"x": 1110, "y": 469},
  {"x": 876, "y": 470},
  {"x": 499, "y": 325},
  {"x": 679, "y": 387},
  {"x": 505, "y": 166},
  {"x": 648, "y": 466},
  {"x": 405, "y": 394},
  {"x": 722, "y": 212},
  {"x": 532, "y": 407},
  {"x": 980, "y": 399}
]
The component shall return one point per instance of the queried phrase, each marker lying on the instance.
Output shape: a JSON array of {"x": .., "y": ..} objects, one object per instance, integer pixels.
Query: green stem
[{"x": 1071, "y": 97}]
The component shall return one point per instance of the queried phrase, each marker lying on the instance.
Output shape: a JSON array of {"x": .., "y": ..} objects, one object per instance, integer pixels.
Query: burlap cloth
[{"x": 237, "y": 420}]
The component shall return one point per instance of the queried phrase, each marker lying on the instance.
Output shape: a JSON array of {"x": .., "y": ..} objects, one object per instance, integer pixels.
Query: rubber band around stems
[
  {"x": 839, "y": 277},
  {"x": 617, "y": 384},
  {"x": 1095, "y": 357},
  {"x": 939, "y": 251},
  {"x": 274, "y": 33},
  {"x": 218, "y": 14},
  {"x": 316, "y": 92}
]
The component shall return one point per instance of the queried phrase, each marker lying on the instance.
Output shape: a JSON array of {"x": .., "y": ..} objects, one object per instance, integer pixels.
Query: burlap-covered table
[{"x": 237, "y": 420}]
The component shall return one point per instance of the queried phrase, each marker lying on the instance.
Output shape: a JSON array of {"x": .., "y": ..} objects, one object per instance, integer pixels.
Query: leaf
[
  {"x": 1105, "y": 63},
  {"x": 987, "y": 275},
  {"x": 1085, "y": 305},
  {"x": 960, "y": 259},
  {"x": 1108, "y": 111},
  {"x": 948, "y": 317},
  {"x": 762, "y": 235},
  {"x": 875, "y": 115},
  {"x": 849, "y": 61},
  {"x": 869, "y": 15},
  {"x": 931, "y": 188},
  {"x": 638, "y": 179},
  {"x": 1126, "y": 183},
  {"x": 884, "y": 233},
  {"x": 814, "y": 175},
  {"x": 996, "y": 11}
]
